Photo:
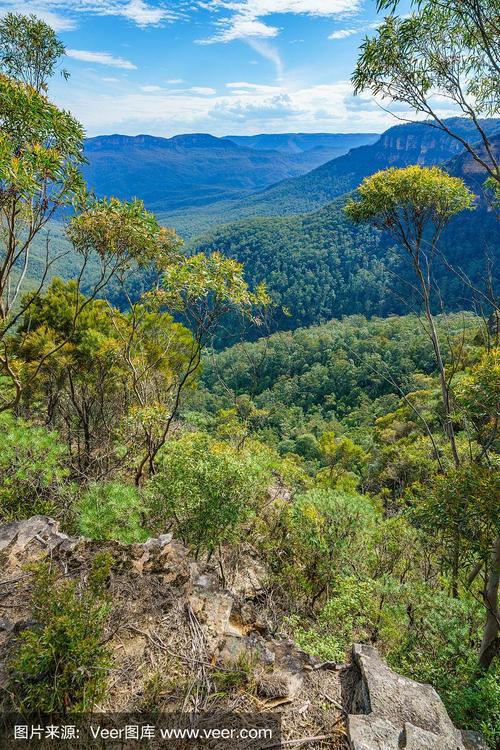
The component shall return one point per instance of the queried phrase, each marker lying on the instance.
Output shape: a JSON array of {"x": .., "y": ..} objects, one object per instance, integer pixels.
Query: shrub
[
  {"x": 205, "y": 490},
  {"x": 112, "y": 511},
  {"x": 321, "y": 532},
  {"x": 440, "y": 647},
  {"x": 32, "y": 472},
  {"x": 477, "y": 706},
  {"x": 60, "y": 664}
]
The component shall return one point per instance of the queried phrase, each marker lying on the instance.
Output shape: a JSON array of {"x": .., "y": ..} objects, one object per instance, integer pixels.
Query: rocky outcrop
[
  {"x": 391, "y": 712},
  {"x": 181, "y": 633},
  {"x": 38, "y": 537},
  {"x": 174, "y": 616}
]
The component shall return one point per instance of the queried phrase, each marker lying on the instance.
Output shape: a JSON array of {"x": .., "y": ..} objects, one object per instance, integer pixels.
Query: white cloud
[
  {"x": 143, "y": 14},
  {"x": 343, "y": 33},
  {"x": 57, "y": 21},
  {"x": 246, "y": 18},
  {"x": 172, "y": 81},
  {"x": 151, "y": 89},
  {"x": 202, "y": 90},
  {"x": 100, "y": 58},
  {"x": 244, "y": 88},
  {"x": 244, "y": 107},
  {"x": 54, "y": 12},
  {"x": 268, "y": 52}
]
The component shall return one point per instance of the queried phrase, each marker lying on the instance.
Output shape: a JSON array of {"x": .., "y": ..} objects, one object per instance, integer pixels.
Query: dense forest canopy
[
  {"x": 357, "y": 459},
  {"x": 321, "y": 265}
]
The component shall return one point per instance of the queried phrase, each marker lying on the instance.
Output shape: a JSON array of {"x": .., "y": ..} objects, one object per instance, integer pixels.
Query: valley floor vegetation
[{"x": 358, "y": 458}]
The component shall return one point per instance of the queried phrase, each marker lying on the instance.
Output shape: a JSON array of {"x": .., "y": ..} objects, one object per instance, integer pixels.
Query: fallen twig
[{"x": 335, "y": 703}]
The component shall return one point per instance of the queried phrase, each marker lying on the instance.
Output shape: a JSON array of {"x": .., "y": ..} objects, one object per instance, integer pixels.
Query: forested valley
[{"x": 321, "y": 387}]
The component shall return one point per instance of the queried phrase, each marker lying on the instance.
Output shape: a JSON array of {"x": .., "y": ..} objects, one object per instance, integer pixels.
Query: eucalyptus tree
[
  {"x": 414, "y": 205},
  {"x": 444, "y": 52},
  {"x": 30, "y": 50},
  {"x": 164, "y": 357}
]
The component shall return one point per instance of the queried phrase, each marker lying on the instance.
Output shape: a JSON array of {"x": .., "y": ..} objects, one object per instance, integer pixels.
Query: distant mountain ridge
[
  {"x": 318, "y": 264},
  {"x": 316, "y": 147},
  {"x": 194, "y": 169}
]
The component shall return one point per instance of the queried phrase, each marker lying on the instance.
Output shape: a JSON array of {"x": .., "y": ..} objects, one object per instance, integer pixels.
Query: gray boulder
[{"x": 391, "y": 712}]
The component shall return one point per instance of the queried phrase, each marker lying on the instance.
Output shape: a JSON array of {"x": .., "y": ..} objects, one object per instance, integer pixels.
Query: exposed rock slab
[
  {"x": 159, "y": 592},
  {"x": 369, "y": 732},
  {"x": 473, "y": 740},
  {"x": 39, "y": 537},
  {"x": 388, "y": 711}
]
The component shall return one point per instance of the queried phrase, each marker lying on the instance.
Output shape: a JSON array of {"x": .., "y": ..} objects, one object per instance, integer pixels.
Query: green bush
[
  {"x": 112, "y": 511},
  {"x": 440, "y": 647},
  {"x": 32, "y": 472},
  {"x": 60, "y": 664},
  {"x": 321, "y": 532},
  {"x": 205, "y": 490},
  {"x": 477, "y": 705}
]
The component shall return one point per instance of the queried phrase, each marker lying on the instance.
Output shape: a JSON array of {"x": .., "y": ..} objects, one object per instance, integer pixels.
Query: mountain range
[
  {"x": 294, "y": 234},
  {"x": 319, "y": 265},
  {"x": 197, "y": 169}
]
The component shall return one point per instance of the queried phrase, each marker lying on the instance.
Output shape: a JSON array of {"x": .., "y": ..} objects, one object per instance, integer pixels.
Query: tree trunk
[
  {"x": 455, "y": 567},
  {"x": 445, "y": 395},
  {"x": 490, "y": 645}
]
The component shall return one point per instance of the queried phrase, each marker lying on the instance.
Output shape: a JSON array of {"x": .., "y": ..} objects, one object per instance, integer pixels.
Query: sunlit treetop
[
  {"x": 395, "y": 198},
  {"x": 201, "y": 275},
  {"x": 125, "y": 230}
]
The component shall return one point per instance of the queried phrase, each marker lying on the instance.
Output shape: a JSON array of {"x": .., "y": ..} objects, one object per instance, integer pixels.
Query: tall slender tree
[{"x": 414, "y": 205}]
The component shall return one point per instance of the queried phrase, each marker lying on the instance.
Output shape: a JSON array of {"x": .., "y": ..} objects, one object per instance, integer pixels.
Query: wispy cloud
[
  {"x": 57, "y": 21},
  {"x": 245, "y": 16},
  {"x": 362, "y": 29},
  {"x": 261, "y": 88},
  {"x": 244, "y": 107},
  {"x": 343, "y": 33},
  {"x": 202, "y": 90},
  {"x": 144, "y": 15},
  {"x": 100, "y": 58},
  {"x": 60, "y": 14},
  {"x": 198, "y": 90},
  {"x": 268, "y": 52}
]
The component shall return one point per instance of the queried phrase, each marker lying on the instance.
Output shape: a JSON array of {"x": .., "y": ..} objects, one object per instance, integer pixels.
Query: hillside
[
  {"x": 297, "y": 143},
  {"x": 320, "y": 265},
  {"x": 400, "y": 146},
  {"x": 209, "y": 649},
  {"x": 196, "y": 169},
  {"x": 326, "y": 377}
]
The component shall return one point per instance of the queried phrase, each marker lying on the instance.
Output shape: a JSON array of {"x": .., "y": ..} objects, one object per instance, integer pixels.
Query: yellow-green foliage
[
  {"x": 413, "y": 194},
  {"x": 205, "y": 490}
]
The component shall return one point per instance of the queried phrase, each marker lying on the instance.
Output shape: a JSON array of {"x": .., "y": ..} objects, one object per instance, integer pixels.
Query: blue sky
[{"x": 220, "y": 66}]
